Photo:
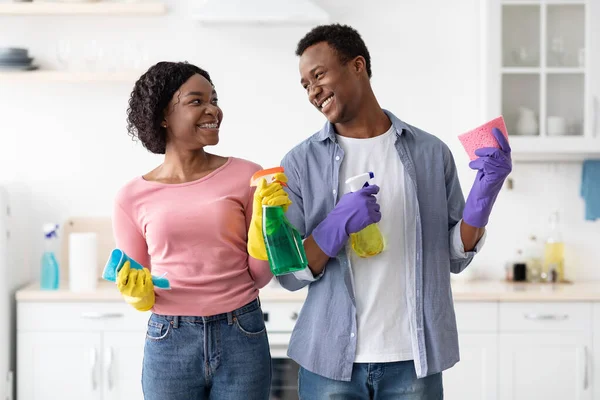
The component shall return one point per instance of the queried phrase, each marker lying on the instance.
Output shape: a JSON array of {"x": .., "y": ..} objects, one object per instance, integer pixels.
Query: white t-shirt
[{"x": 380, "y": 281}]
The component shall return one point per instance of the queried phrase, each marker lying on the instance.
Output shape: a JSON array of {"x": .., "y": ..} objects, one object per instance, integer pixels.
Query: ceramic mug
[{"x": 556, "y": 126}]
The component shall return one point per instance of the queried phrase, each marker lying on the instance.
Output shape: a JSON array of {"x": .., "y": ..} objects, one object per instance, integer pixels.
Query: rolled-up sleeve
[
  {"x": 459, "y": 259},
  {"x": 457, "y": 248}
]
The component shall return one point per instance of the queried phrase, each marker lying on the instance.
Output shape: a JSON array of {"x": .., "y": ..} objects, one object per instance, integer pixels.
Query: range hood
[{"x": 261, "y": 12}]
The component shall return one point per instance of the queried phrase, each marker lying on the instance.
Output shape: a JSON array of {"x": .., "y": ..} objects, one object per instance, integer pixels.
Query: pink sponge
[{"x": 482, "y": 136}]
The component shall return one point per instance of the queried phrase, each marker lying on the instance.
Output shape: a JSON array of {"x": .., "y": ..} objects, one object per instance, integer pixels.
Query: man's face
[{"x": 333, "y": 88}]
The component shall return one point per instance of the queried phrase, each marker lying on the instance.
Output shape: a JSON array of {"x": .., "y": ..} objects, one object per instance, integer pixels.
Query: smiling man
[{"x": 381, "y": 327}]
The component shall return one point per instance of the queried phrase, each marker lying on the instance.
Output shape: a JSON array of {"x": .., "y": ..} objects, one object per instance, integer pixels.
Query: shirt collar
[{"x": 328, "y": 130}]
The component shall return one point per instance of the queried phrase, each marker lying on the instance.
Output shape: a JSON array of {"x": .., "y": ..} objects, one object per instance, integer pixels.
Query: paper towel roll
[{"x": 83, "y": 249}]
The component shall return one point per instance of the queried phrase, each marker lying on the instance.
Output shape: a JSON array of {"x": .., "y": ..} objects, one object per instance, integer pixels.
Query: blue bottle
[{"x": 49, "y": 278}]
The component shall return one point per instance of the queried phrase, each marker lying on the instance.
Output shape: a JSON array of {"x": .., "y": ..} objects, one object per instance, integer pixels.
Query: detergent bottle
[
  {"x": 369, "y": 241},
  {"x": 50, "y": 273},
  {"x": 285, "y": 250}
]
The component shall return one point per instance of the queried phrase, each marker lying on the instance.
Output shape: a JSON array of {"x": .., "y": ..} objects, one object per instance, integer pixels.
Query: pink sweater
[{"x": 197, "y": 233}]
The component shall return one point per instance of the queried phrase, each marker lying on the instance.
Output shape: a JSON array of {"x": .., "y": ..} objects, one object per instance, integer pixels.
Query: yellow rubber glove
[
  {"x": 271, "y": 194},
  {"x": 136, "y": 287}
]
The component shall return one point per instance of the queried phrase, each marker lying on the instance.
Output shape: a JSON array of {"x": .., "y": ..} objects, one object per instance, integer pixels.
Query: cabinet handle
[
  {"x": 585, "y": 370},
  {"x": 99, "y": 315},
  {"x": 596, "y": 106},
  {"x": 9, "y": 385},
  {"x": 546, "y": 317},
  {"x": 109, "y": 372},
  {"x": 93, "y": 361}
]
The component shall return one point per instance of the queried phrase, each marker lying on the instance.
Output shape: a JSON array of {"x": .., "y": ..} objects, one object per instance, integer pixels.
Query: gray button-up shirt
[{"x": 324, "y": 337}]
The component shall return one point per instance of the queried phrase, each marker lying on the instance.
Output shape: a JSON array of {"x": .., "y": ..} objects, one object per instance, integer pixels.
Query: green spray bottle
[
  {"x": 283, "y": 242},
  {"x": 369, "y": 241}
]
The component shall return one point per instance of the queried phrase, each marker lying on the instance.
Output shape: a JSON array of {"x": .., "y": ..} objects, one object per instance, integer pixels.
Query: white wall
[{"x": 64, "y": 149}]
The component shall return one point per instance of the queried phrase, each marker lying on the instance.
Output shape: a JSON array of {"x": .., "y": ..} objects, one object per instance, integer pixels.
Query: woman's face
[{"x": 193, "y": 117}]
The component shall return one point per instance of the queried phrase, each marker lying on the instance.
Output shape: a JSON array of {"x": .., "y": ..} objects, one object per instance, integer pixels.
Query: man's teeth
[
  {"x": 323, "y": 104},
  {"x": 209, "y": 126}
]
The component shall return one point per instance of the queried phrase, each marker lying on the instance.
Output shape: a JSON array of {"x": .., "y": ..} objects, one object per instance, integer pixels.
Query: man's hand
[{"x": 493, "y": 166}]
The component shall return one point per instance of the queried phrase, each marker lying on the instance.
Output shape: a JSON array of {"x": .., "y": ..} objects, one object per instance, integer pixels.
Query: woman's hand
[{"x": 267, "y": 194}]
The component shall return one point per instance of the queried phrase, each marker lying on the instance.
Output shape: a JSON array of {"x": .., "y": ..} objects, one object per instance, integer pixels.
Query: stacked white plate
[{"x": 15, "y": 59}]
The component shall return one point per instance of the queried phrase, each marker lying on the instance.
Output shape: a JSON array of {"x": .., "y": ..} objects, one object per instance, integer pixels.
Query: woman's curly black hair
[{"x": 150, "y": 97}]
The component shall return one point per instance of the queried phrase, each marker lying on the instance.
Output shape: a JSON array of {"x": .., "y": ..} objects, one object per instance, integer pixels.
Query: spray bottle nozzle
[
  {"x": 268, "y": 174},
  {"x": 359, "y": 181},
  {"x": 50, "y": 230}
]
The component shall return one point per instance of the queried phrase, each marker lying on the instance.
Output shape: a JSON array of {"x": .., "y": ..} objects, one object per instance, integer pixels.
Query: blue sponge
[{"x": 115, "y": 263}]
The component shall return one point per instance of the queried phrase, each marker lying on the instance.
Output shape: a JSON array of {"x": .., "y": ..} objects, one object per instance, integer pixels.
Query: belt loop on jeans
[
  {"x": 176, "y": 321},
  {"x": 258, "y": 299},
  {"x": 229, "y": 318}
]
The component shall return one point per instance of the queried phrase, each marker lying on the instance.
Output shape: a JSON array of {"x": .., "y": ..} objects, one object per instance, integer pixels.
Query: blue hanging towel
[{"x": 590, "y": 189}]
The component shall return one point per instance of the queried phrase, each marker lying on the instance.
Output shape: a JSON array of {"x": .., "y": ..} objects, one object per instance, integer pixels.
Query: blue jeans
[
  {"x": 381, "y": 381},
  {"x": 224, "y": 357}
]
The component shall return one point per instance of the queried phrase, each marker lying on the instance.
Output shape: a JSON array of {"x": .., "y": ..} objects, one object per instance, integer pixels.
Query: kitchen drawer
[
  {"x": 547, "y": 317},
  {"x": 476, "y": 316},
  {"x": 80, "y": 317},
  {"x": 280, "y": 317}
]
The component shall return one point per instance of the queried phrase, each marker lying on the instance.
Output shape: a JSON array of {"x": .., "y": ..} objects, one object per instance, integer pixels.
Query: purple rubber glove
[
  {"x": 493, "y": 167},
  {"x": 354, "y": 212}
]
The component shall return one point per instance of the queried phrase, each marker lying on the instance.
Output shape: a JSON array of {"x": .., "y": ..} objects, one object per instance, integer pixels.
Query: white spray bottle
[{"x": 369, "y": 241}]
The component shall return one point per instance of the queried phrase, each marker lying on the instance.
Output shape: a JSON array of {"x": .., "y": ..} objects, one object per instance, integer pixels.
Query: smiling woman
[
  {"x": 189, "y": 218},
  {"x": 169, "y": 98}
]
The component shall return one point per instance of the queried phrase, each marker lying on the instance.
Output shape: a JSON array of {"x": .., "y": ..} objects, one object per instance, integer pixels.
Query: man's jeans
[
  {"x": 380, "y": 381},
  {"x": 224, "y": 357}
]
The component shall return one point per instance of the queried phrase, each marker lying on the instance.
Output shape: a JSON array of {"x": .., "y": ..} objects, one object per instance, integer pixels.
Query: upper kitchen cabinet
[
  {"x": 541, "y": 71},
  {"x": 131, "y": 9}
]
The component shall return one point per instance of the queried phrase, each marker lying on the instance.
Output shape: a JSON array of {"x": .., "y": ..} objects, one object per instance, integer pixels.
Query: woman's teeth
[
  {"x": 327, "y": 101},
  {"x": 208, "y": 126}
]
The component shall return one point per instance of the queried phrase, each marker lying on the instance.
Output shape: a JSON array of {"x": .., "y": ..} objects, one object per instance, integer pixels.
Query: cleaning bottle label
[
  {"x": 285, "y": 250},
  {"x": 369, "y": 241}
]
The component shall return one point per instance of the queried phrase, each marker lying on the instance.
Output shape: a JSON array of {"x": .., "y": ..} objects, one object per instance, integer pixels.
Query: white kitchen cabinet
[
  {"x": 475, "y": 376},
  {"x": 545, "y": 351},
  {"x": 596, "y": 350},
  {"x": 516, "y": 342},
  {"x": 553, "y": 366},
  {"x": 540, "y": 69},
  {"x": 79, "y": 350},
  {"x": 477, "y": 324},
  {"x": 523, "y": 351},
  {"x": 63, "y": 365},
  {"x": 122, "y": 359}
]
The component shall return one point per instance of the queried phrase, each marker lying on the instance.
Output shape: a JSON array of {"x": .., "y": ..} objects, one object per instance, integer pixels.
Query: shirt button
[
  {"x": 352, "y": 334},
  {"x": 337, "y": 158},
  {"x": 334, "y": 191}
]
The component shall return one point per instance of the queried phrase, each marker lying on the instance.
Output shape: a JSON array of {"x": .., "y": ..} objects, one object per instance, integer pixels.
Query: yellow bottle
[
  {"x": 554, "y": 258},
  {"x": 369, "y": 241}
]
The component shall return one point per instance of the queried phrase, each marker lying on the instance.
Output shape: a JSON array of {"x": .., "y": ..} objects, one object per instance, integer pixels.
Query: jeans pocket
[
  {"x": 251, "y": 323},
  {"x": 157, "y": 330}
]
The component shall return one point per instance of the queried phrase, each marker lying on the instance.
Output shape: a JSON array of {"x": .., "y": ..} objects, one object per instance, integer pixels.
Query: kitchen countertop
[
  {"x": 107, "y": 291},
  {"x": 522, "y": 291},
  {"x": 462, "y": 291}
]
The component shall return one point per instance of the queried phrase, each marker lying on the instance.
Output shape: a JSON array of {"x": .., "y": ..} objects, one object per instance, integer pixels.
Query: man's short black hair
[{"x": 345, "y": 40}]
